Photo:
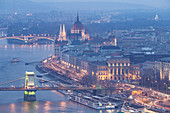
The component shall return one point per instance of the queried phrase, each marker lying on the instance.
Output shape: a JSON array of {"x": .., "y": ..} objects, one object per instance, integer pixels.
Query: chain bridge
[{"x": 30, "y": 84}]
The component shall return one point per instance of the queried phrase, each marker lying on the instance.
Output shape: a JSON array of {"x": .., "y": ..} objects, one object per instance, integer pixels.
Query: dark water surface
[{"x": 47, "y": 101}]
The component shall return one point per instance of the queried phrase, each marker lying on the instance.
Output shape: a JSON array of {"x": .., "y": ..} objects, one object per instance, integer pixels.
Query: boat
[
  {"x": 39, "y": 75},
  {"x": 129, "y": 109},
  {"x": 26, "y": 63},
  {"x": 42, "y": 81},
  {"x": 15, "y": 60},
  {"x": 65, "y": 92},
  {"x": 92, "y": 102}
]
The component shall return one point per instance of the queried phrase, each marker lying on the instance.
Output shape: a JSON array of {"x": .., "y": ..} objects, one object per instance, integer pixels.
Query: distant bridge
[{"x": 29, "y": 39}]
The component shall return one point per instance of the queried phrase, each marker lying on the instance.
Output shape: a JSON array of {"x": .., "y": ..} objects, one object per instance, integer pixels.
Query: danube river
[{"x": 47, "y": 101}]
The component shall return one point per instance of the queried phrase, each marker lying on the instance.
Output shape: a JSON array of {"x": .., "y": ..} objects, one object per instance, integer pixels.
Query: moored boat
[
  {"x": 15, "y": 60},
  {"x": 93, "y": 102}
]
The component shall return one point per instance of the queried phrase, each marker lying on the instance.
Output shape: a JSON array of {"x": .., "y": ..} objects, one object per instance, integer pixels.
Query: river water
[{"x": 47, "y": 101}]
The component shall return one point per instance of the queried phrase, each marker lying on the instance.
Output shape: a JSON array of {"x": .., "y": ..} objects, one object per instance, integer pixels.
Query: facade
[
  {"x": 163, "y": 67},
  {"x": 119, "y": 68},
  {"x": 113, "y": 69}
]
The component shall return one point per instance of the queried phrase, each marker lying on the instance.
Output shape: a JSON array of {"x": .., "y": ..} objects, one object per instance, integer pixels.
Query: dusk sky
[{"x": 153, "y": 3}]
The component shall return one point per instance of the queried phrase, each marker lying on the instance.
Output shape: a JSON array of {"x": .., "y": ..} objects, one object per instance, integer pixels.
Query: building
[
  {"x": 97, "y": 42},
  {"x": 105, "y": 64},
  {"x": 78, "y": 31},
  {"x": 116, "y": 69},
  {"x": 163, "y": 67},
  {"x": 110, "y": 49},
  {"x": 3, "y": 32}
]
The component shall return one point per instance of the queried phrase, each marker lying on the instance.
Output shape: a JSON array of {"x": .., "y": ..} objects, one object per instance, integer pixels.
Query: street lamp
[{"x": 165, "y": 87}]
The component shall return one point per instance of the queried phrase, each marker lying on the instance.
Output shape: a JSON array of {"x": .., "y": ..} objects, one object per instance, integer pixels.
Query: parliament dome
[{"x": 77, "y": 25}]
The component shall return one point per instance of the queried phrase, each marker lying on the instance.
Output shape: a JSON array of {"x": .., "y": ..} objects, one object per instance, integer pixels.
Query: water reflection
[
  {"x": 63, "y": 105},
  {"x": 26, "y": 106},
  {"x": 13, "y": 46},
  {"x": 12, "y": 107},
  {"x": 47, "y": 107},
  {"x": 6, "y": 46}
]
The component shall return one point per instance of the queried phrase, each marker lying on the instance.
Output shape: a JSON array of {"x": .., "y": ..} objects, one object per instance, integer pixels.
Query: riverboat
[{"x": 94, "y": 102}]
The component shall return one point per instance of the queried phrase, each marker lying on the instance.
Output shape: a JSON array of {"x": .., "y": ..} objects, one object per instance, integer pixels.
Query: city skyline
[{"x": 89, "y": 56}]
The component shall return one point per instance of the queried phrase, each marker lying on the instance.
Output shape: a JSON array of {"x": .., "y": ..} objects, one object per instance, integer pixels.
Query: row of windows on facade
[
  {"x": 115, "y": 72},
  {"x": 114, "y": 78},
  {"x": 73, "y": 66},
  {"x": 119, "y": 64}
]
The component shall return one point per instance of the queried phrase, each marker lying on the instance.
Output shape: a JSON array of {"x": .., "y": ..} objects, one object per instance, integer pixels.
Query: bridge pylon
[{"x": 29, "y": 94}]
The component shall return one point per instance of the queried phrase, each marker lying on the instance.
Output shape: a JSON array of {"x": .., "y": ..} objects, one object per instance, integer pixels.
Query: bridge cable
[{"x": 12, "y": 81}]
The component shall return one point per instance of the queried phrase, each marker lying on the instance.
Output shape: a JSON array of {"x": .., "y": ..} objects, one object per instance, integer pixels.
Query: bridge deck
[{"x": 53, "y": 88}]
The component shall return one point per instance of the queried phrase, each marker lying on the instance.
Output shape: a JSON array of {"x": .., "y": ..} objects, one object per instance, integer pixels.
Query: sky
[{"x": 153, "y": 3}]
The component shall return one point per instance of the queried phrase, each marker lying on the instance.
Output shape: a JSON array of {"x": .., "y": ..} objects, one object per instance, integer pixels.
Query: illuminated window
[{"x": 92, "y": 73}]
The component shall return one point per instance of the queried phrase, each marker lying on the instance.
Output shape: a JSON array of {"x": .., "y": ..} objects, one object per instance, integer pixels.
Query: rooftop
[
  {"x": 109, "y": 47},
  {"x": 165, "y": 59},
  {"x": 29, "y": 73},
  {"x": 100, "y": 63}
]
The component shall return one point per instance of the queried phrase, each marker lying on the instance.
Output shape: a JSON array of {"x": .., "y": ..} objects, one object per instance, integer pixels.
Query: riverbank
[
  {"x": 56, "y": 70},
  {"x": 55, "y": 75}
]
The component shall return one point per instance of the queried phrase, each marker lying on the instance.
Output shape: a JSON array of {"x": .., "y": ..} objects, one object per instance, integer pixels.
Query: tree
[{"x": 89, "y": 80}]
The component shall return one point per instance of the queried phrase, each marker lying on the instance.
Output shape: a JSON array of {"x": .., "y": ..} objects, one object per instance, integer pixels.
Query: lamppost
[
  {"x": 166, "y": 91},
  {"x": 156, "y": 85}
]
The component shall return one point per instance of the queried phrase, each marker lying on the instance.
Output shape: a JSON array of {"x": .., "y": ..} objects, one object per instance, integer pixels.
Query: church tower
[
  {"x": 60, "y": 34},
  {"x": 64, "y": 33},
  {"x": 115, "y": 42}
]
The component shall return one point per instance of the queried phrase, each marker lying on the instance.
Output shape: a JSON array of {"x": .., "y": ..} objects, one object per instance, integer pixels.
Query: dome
[{"x": 77, "y": 25}]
